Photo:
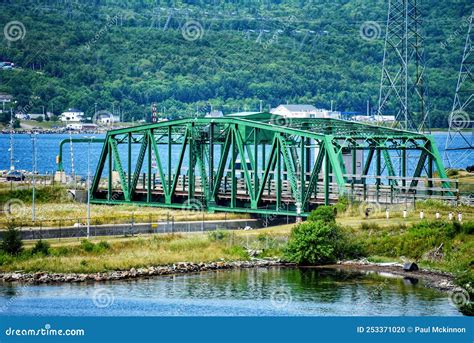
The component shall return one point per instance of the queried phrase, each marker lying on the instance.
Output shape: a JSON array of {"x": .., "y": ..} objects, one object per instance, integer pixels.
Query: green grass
[
  {"x": 90, "y": 257},
  {"x": 55, "y": 208}
]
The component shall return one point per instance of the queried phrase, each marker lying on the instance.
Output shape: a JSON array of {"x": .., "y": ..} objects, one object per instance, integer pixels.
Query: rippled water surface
[{"x": 247, "y": 292}]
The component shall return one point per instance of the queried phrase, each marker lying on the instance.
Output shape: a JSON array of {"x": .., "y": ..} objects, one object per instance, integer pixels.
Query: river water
[
  {"x": 48, "y": 148},
  {"x": 246, "y": 292}
]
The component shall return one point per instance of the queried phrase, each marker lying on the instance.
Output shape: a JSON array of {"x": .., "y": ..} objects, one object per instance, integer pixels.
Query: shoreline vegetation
[{"x": 330, "y": 235}]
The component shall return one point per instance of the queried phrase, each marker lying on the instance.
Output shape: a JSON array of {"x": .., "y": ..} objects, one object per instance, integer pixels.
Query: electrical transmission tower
[
  {"x": 402, "y": 90},
  {"x": 458, "y": 144}
]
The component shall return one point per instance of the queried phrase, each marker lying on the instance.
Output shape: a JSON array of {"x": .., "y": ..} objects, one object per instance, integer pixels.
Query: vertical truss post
[
  {"x": 170, "y": 147},
  {"x": 148, "y": 177},
  {"x": 191, "y": 163},
  {"x": 354, "y": 170},
  {"x": 403, "y": 163},
  {"x": 255, "y": 163},
  {"x": 302, "y": 173},
  {"x": 110, "y": 184},
  {"x": 378, "y": 172},
  {"x": 211, "y": 160},
  {"x": 233, "y": 178},
  {"x": 278, "y": 173},
  {"x": 129, "y": 161},
  {"x": 326, "y": 177},
  {"x": 366, "y": 169}
]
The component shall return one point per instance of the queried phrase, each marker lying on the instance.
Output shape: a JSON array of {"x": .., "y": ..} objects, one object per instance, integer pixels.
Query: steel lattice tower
[
  {"x": 459, "y": 118},
  {"x": 401, "y": 87}
]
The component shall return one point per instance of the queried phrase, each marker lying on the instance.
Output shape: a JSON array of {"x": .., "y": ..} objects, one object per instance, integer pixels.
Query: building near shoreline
[
  {"x": 304, "y": 111},
  {"x": 72, "y": 115},
  {"x": 81, "y": 127}
]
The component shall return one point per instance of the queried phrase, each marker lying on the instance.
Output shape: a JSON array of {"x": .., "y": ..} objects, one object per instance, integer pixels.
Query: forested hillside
[{"x": 189, "y": 55}]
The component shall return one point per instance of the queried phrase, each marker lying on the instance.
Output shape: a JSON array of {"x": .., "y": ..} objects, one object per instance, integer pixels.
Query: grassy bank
[
  {"x": 55, "y": 208},
  {"x": 105, "y": 254}
]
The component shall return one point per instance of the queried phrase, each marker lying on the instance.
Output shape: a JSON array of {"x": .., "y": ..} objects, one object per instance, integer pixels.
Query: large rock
[{"x": 410, "y": 267}]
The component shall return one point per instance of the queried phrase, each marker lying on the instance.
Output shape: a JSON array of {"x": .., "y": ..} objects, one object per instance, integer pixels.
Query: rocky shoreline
[
  {"x": 177, "y": 268},
  {"x": 432, "y": 279}
]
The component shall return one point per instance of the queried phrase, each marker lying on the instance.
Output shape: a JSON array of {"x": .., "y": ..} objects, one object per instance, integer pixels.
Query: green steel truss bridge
[{"x": 266, "y": 164}]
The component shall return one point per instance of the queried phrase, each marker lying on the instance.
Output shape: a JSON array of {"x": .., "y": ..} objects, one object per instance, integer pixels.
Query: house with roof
[
  {"x": 304, "y": 111},
  {"x": 72, "y": 115},
  {"x": 214, "y": 114}
]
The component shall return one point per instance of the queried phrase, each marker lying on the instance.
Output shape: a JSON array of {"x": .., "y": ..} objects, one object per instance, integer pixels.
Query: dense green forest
[{"x": 189, "y": 55}]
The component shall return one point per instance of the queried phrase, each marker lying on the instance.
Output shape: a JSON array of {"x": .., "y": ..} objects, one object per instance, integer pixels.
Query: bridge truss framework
[{"x": 265, "y": 164}]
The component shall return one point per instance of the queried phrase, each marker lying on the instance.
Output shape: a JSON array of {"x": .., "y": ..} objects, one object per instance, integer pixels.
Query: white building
[
  {"x": 376, "y": 118},
  {"x": 214, "y": 114},
  {"x": 304, "y": 111},
  {"x": 107, "y": 119},
  {"x": 81, "y": 127},
  {"x": 72, "y": 115}
]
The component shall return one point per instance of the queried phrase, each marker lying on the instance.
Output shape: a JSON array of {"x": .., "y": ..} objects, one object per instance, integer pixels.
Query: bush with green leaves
[
  {"x": 41, "y": 247},
  {"x": 313, "y": 242},
  {"x": 11, "y": 243},
  {"x": 325, "y": 214},
  {"x": 88, "y": 246}
]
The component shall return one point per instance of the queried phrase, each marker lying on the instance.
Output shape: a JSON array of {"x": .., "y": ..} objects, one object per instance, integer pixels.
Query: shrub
[
  {"x": 103, "y": 245},
  {"x": 313, "y": 243},
  {"x": 218, "y": 235},
  {"x": 342, "y": 205},
  {"x": 468, "y": 228},
  {"x": 323, "y": 213},
  {"x": 41, "y": 247},
  {"x": 87, "y": 245},
  {"x": 12, "y": 243}
]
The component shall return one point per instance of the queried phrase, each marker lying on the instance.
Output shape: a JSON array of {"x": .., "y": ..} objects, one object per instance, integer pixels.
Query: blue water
[
  {"x": 248, "y": 292},
  {"x": 48, "y": 148}
]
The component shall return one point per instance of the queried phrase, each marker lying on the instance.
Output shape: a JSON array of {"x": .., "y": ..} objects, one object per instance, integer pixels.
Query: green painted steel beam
[{"x": 290, "y": 156}]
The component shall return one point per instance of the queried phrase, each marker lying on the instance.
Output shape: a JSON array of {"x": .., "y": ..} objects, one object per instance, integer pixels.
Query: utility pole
[
  {"x": 402, "y": 88},
  {"x": 463, "y": 106},
  {"x": 12, "y": 166}
]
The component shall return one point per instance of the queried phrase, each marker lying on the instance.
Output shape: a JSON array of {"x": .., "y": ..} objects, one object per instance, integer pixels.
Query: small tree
[
  {"x": 325, "y": 214},
  {"x": 11, "y": 243}
]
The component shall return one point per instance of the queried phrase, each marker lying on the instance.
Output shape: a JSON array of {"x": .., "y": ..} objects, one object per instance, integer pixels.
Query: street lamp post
[{"x": 33, "y": 209}]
